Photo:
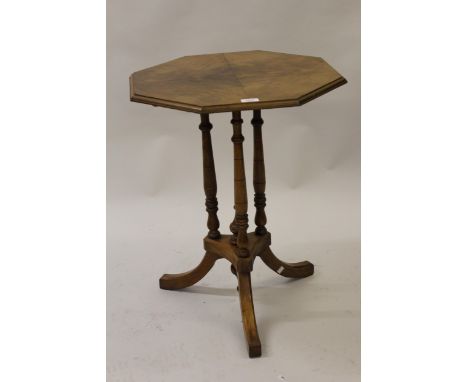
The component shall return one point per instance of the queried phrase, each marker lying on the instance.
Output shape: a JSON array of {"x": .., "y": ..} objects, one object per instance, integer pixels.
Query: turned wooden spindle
[
  {"x": 259, "y": 174},
  {"x": 234, "y": 230},
  {"x": 209, "y": 178},
  {"x": 241, "y": 220}
]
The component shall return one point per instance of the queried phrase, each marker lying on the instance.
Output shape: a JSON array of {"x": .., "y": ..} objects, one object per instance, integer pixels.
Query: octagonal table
[{"x": 233, "y": 82}]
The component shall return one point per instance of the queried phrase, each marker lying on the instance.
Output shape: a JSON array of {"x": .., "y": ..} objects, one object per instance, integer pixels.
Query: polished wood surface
[
  {"x": 241, "y": 219},
  {"x": 232, "y": 82},
  {"x": 224, "y": 249},
  {"x": 259, "y": 174},
  {"x": 209, "y": 177},
  {"x": 241, "y": 248},
  {"x": 186, "y": 279},
  {"x": 225, "y": 82},
  {"x": 248, "y": 314},
  {"x": 293, "y": 270}
]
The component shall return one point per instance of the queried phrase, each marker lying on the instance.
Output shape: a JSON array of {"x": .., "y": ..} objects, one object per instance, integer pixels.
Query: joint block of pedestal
[
  {"x": 244, "y": 264},
  {"x": 223, "y": 247}
]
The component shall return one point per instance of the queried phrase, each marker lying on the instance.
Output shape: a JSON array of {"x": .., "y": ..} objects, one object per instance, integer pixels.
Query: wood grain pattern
[
  {"x": 186, "y": 279},
  {"x": 223, "y": 248},
  {"x": 214, "y": 83},
  {"x": 294, "y": 270},
  {"x": 248, "y": 315}
]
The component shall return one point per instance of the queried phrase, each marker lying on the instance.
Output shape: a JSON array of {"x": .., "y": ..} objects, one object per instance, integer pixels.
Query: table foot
[
  {"x": 241, "y": 267},
  {"x": 293, "y": 270},
  {"x": 248, "y": 315},
  {"x": 184, "y": 280}
]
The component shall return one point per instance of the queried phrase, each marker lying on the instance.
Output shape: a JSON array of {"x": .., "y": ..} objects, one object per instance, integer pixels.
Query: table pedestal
[{"x": 241, "y": 248}]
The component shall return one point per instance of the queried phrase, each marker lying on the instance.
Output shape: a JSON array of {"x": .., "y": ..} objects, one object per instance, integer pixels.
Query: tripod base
[{"x": 258, "y": 245}]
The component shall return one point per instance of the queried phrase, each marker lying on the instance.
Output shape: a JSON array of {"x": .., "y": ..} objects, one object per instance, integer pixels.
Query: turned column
[
  {"x": 259, "y": 174},
  {"x": 241, "y": 221},
  {"x": 209, "y": 178}
]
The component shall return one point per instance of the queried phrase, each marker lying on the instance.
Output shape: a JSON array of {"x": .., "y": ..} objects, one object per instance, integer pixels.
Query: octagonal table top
[{"x": 223, "y": 82}]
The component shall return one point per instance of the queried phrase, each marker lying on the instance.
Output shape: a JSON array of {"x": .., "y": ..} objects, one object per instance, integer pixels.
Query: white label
[
  {"x": 280, "y": 269},
  {"x": 250, "y": 100}
]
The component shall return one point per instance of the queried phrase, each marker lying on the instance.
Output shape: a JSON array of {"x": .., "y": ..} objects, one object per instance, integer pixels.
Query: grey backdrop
[{"x": 156, "y": 218}]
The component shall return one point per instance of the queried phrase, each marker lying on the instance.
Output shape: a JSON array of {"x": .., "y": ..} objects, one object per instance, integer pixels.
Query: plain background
[
  {"x": 53, "y": 205},
  {"x": 310, "y": 329}
]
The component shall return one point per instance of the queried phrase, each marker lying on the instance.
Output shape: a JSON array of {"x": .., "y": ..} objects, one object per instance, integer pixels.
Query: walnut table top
[{"x": 224, "y": 82}]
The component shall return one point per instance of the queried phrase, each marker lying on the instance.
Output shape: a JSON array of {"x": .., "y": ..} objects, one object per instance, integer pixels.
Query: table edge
[{"x": 237, "y": 107}]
